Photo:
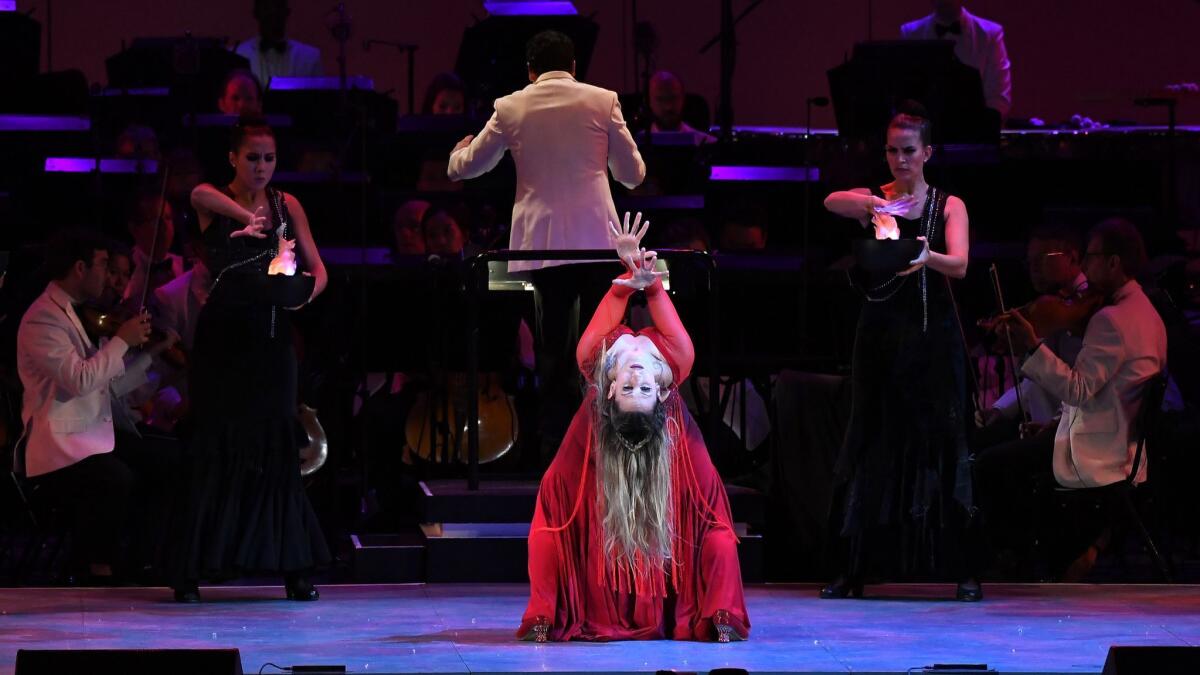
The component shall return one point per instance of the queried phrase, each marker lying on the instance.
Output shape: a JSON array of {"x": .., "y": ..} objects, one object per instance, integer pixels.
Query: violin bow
[
  {"x": 162, "y": 208},
  {"x": 1012, "y": 358}
]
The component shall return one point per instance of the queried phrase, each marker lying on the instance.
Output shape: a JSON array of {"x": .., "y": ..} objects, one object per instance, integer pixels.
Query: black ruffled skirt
[{"x": 245, "y": 511}]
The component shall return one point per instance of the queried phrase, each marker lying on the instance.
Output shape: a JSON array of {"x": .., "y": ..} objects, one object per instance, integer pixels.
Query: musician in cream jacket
[
  {"x": 564, "y": 137},
  {"x": 1124, "y": 346},
  {"x": 69, "y": 387}
]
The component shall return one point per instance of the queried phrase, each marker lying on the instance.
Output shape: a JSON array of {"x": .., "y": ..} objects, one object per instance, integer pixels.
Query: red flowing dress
[{"x": 573, "y": 583}]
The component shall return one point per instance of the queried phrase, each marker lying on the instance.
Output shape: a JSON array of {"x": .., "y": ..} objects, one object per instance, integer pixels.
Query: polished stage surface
[{"x": 469, "y": 628}]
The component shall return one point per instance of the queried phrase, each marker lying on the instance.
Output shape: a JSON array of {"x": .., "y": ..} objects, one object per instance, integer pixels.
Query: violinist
[
  {"x": 175, "y": 308},
  {"x": 1013, "y": 443},
  {"x": 70, "y": 381},
  {"x": 145, "y": 214},
  {"x": 1053, "y": 256},
  {"x": 1124, "y": 346},
  {"x": 120, "y": 271}
]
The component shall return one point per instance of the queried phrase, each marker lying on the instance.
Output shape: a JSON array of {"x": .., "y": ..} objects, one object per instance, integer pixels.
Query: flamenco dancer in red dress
[{"x": 632, "y": 537}]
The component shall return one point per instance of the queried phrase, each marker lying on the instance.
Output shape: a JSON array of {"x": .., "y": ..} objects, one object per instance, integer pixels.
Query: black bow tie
[
  {"x": 265, "y": 46},
  {"x": 941, "y": 30}
]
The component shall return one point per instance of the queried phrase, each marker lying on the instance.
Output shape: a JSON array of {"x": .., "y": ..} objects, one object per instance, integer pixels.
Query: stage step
[
  {"x": 512, "y": 501},
  {"x": 478, "y": 552},
  {"x": 497, "y": 552},
  {"x": 480, "y": 536},
  {"x": 389, "y": 558}
]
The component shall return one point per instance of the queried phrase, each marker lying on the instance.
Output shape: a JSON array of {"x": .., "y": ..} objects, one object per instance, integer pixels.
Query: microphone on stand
[{"x": 338, "y": 22}]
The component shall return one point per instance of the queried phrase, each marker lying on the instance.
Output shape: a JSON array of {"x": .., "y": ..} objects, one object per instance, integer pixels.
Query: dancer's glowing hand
[
  {"x": 628, "y": 238},
  {"x": 896, "y": 207}
]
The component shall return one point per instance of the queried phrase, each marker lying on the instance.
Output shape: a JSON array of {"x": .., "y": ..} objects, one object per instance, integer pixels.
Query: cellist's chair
[{"x": 1119, "y": 500}]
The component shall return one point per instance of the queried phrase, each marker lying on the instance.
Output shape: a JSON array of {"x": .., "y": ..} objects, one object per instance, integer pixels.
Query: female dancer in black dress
[
  {"x": 903, "y": 472},
  {"x": 245, "y": 510}
]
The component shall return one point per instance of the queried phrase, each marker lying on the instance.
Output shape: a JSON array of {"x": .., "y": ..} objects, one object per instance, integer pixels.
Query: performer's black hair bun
[
  {"x": 248, "y": 125},
  {"x": 912, "y": 108}
]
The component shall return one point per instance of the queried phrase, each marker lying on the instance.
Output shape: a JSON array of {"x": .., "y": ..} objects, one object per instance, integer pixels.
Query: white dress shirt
[
  {"x": 296, "y": 60},
  {"x": 564, "y": 137},
  {"x": 69, "y": 384},
  {"x": 979, "y": 45},
  {"x": 1125, "y": 345}
]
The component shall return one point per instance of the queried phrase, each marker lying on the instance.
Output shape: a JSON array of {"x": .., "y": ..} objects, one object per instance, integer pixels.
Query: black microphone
[
  {"x": 819, "y": 101},
  {"x": 338, "y": 22},
  {"x": 1153, "y": 101}
]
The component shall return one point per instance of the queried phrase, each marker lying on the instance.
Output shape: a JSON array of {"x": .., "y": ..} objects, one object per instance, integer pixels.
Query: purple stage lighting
[
  {"x": 320, "y": 83},
  {"x": 102, "y": 164},
  {"x": 777, "y": 174},
  {"x": 44, "y": 123},
  {"x": 523, "y": 8}
]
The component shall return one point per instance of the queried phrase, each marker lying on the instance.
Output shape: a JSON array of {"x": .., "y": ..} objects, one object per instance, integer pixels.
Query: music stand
[
  {"x": 491, "y": 57},
  {"x": 189, "y": 65},
  {"x": 868, "y": 89}
]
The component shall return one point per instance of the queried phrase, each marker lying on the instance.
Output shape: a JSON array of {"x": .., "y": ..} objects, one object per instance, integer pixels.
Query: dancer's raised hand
[
  {"x": 256, "y": 222},
  {"x": 628, "y": 238},
  {"x": 644, "y": 273}
]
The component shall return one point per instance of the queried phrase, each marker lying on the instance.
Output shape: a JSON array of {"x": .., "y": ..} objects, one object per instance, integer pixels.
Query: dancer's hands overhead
[
  {"x": 628, "y": 238},
  {"x": 643, "y": 273}
]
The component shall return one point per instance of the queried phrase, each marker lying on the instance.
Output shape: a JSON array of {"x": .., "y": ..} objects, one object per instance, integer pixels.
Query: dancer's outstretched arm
[
  {"x": 609, "y": 314},
  {"x": 611, "y": 311},
  {"x": 675, "y": 343}
]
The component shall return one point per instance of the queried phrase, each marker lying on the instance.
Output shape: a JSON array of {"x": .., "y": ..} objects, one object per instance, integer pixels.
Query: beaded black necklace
[{"x": 934, "y": 201}]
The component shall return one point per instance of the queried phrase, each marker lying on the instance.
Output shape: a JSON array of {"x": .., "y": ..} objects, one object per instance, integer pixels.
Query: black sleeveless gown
[
  {"x": 904, "y": 470},
  {"x": 246, "y": 512}
]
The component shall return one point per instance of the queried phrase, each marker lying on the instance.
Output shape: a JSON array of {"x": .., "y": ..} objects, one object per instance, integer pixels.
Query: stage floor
[{"x": 469, "y": 628}]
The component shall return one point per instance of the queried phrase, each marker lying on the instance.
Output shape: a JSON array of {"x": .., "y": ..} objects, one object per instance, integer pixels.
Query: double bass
[{"x": 436, "y": 428}]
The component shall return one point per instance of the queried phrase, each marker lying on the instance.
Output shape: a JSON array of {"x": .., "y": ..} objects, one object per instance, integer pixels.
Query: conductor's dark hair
[
  {"x": 69, "y": 245},
  {"x": 245, "y": 127},
  {"x": 549, "y": 50},
  {"x": 912, "y": 116}
]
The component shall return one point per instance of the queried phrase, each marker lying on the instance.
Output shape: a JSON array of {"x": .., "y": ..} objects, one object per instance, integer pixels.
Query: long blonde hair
[{"x": 633, "y": 476}]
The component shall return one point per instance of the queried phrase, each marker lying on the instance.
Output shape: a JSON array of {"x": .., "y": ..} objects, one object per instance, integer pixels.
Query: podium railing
[{"x": 475, "y": 289}]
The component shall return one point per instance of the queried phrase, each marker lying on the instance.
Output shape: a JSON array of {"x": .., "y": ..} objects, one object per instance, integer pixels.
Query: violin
[
  {"x": 1053, "y": 313},
  {"x": 99, "y": 322}
]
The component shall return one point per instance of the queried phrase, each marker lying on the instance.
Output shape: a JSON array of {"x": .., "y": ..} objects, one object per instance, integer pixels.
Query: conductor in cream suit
[{"x": 565, "y": 137}]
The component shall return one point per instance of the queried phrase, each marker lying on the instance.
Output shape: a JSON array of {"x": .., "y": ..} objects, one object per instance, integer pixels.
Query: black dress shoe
[
  {"x": 300, "y": 588},
  {"x": 843, "y": 587},
  {"x": 187, "y": 594},
  {"x": 968, "y": 591}
]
